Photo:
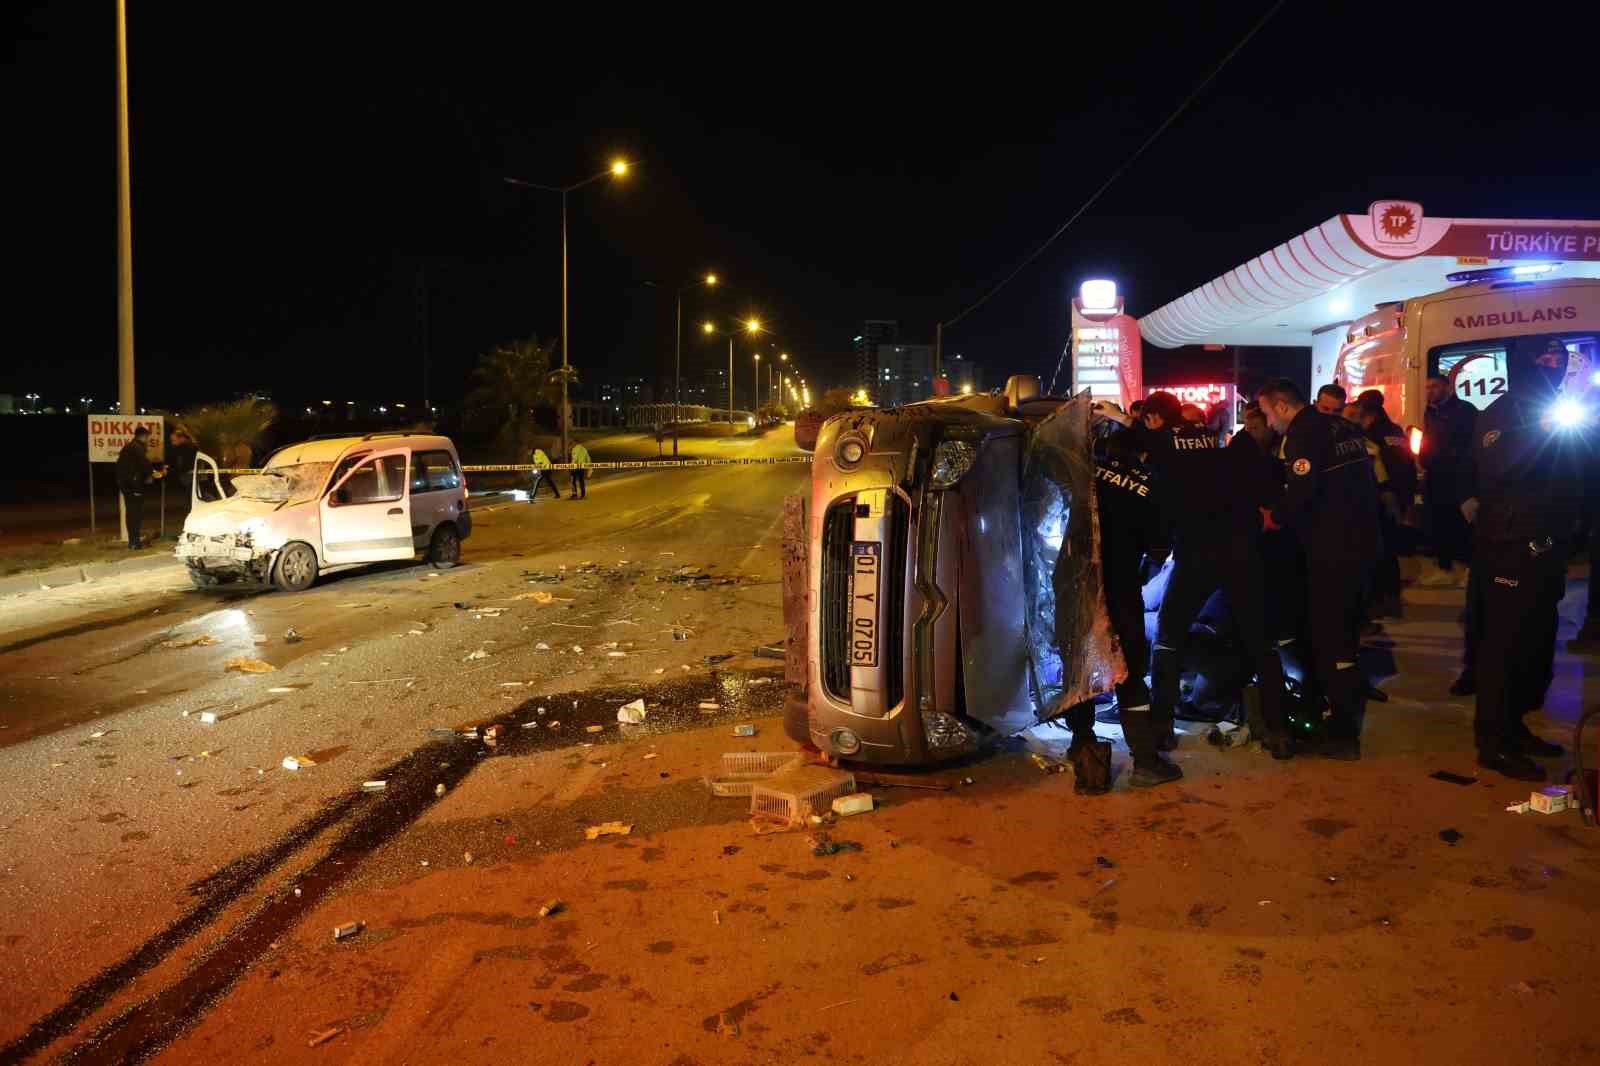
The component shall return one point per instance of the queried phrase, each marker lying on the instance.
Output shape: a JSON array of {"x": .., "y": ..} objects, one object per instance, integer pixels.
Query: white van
[{"x": 326, "y": 505}]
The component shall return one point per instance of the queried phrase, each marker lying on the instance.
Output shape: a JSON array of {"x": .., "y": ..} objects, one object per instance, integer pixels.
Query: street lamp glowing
[
  {"x": 619, "y": 167},
  {"x": 784, "y": 357},
  {"x": 711, "y": 279},
  {"x": 966, "y": 390},
  {"x": 753, "y": 326},
  {"x": 708, "y": 328}
]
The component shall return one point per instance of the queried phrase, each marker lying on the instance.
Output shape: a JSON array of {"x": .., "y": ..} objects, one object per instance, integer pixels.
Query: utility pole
[{"x": 125, "y": 397}]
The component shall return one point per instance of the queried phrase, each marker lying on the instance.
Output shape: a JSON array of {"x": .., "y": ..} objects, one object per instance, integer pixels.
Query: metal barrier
[{"x": 627, "y": 464}]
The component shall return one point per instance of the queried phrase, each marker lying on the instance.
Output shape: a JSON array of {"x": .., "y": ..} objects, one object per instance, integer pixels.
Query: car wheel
[
  {"x": 296, "y": 569},
  {"x": 444, "y": 551}
]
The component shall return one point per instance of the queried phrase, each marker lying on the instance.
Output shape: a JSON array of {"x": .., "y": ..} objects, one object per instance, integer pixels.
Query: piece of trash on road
[
  {"x": 606, "y": 829},
  {"x": 555, "y": 724},
  {"x": 374, "y": 786},
  {"x": 659, "y": 670},
  {"x": 466, "y": 857},
  {"x": 249, "y": 666},
  {"x": 541, "y": 646},
  {"x": 208, "y": 717},
  {"x": 745, "y": 729},
  {"x": 769, "y": 651},
  {"x": 347, "y": 930},
  {"x": 297, "y": 762},
  {"x": 594, "y": 728},
  {"x": 479, "y": 654},
  {"x": 96, "y": 735},
  {"x": 1552, "y": 799},
  {"x": 555, "y": 906},
  {"x": 537, "y": 596},
  {"x": 712, "y": 660},
  {"x": 651, "y": 755},
  {"x": 292, "y": 636},
  {"x": 1104, "y": 863},
  {"x": 707, "y": 706},
  {"x": 511, "y": 684},
  {"x": 1450, "y": 836},
  {"x": 414, "y": 632},
  {"x": 318, "y": 1039},
  {"x": 823, "y": 845},
  {"x": 202, "y": 641},
  {"x": 855, "y": 803},
  {"x": 439, "y": 790},
  {"x": 1228, "y": 735},
  {"x": 1046, "y": 765},
  {"x": 577, "y": 649},
  {"x": 1520, "y": 808},
  {"x": 616, "y": 655},
  {"x": 716, "y": 917},
  {"x": 1454, "y": 779}
]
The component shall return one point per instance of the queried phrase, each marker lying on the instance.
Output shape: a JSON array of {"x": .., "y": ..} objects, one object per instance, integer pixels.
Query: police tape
[{"x": 628, "y": 464}]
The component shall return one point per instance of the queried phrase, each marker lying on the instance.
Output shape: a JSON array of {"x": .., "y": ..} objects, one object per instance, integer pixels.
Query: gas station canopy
[{"x": 1341, "y": 269}]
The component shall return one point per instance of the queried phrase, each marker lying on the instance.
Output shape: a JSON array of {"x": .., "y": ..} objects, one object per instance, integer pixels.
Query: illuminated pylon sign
[{"x": 1107, "y": 358}]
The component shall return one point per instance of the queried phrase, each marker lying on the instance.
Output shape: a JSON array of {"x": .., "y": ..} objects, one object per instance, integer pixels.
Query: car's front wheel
[
  {"x": 296, "y": 569},
  {"x": 444, "y": 551}
]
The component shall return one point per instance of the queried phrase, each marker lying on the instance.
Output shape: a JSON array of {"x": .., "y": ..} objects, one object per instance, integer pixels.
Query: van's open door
[{"x": 366, "y": 516}]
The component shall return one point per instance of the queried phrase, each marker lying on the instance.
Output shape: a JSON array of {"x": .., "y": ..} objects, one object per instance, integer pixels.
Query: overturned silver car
[{"x": 942, "y": 580}]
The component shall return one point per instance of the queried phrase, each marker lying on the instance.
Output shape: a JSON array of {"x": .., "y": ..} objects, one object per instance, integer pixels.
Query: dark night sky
[{"x": 295, "y": 169}]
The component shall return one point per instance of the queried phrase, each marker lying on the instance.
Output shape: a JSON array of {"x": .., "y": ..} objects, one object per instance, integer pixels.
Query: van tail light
[{"x": 1416, "y": 441}]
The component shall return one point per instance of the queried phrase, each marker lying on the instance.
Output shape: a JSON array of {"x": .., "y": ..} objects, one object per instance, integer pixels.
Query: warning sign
[{"x": 109, "y": 433}]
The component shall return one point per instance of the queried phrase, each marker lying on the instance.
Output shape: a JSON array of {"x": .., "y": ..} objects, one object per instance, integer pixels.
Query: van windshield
[{"x": 284, "y": 484}]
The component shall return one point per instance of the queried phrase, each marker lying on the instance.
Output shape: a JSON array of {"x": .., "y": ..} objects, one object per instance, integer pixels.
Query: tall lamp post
[
  {"x": 616, "y": 170},
  {"x": 751, "y": 326},
  {"x": 709, "y": 281}
]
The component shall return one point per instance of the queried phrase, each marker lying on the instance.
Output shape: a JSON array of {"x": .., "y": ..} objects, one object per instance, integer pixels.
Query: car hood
[{"x": 225, "y": 516}]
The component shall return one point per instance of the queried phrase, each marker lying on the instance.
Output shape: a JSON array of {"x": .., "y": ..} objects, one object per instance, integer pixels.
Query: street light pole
[
  {"x": 125, "y": 397},
  {"x": 730, "y": 379},
  {"x": 677, "y": 359}
]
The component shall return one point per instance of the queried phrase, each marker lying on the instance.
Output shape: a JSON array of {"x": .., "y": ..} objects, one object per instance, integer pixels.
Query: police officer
[
  {"x": 1130, "y": 530},
  {"x": 1210, "y": 499},
  {"x": 1397, "y": 496},
  {"x": 135, "y": 473},
  {"x": 1331, "y": 505},
  {"x": 1527, "y": 497}
]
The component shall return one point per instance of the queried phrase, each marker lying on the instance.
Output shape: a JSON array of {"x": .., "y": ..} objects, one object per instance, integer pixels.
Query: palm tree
[
  {"x": 510, "y": 383},
  {"x": 229, "y": 432}
]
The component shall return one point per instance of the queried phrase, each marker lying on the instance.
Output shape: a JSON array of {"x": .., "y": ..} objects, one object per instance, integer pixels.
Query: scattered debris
[
  {"x": 347, "y": 930},
  {"x": 249, "y": 666},
  {"x": 1552, "y": 799},
  {"x": 651, "y": 755},
  {"x": 1228, "y": 735},
  {"x": 292, "y": 636},
  {"x": 1520, "y": 808},
  {"x": 479, "y": 654},
  {"x": 855, "y": 803},
  {"x": 541, "y": 646},
  {"x": 712, "y": 660},
  {"x": 511, "y": 684},
  {"x": 1450, "y": 836},
  {"x": 328, "y": 1034},
  {"x": 823, "y": 845},
  {"x": 716, "y": 917},
  {"x": 1046, "y": 765},
  {"x": 466, "y": 857},
  {"x": 606, "y": 829},
  {"x": 631, "y": 713},
  {"x": 208, "y": 717},
  {"x": 97, "y": 734},
  {"x": 744, "y": 729},
  {"x": 439, "y": 790},
  {"x": 262, "y": 638},
  {"x": 555, "y": 906},
  {"x": 616, "y": 655},
  {"x": 769, "y": 651},
  {"x": 537, "y": 596},
  {"x": 297, "y": 762},
  {"x": 1454, "y": 779},
  {"x": 1104, "y": 863},
  {"x": 593, "y": 728},
  {"x": 202, "y": 641},
  {"x": 384, "y": 681},
  {"x": 659, "y": 670},
  {"x": 374, "y": 786},
  {"x": 727, "y": 1025},
  {"x": 708, "y": 706}
]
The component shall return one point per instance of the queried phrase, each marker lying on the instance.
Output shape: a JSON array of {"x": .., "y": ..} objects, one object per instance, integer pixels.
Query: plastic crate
[
  {"x": 794, "y": 794},
  {"x": 740, "y": 770}
]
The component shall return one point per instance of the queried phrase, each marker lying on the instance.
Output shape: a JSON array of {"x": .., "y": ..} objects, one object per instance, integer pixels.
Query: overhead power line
[{"x": 1126, "y": 164}]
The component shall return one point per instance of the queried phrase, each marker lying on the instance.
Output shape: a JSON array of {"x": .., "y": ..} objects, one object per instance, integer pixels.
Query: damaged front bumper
[{"x": 225, "y": 555}]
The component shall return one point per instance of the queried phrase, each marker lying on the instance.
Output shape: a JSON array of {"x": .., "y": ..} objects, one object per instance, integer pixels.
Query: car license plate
[{"x": 864, "y": 567}]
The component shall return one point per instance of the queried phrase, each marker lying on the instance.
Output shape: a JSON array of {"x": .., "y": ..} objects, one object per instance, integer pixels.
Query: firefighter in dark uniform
[
  {"x": 1210, "y": 500},
  {"x": 135, "y": 473},
  {"x": 1527, "y": 491},
  {"x": 1331, "y": 505},
  {"x": 1129, "y": 531},
  {"x": 1397, "y": 497}
]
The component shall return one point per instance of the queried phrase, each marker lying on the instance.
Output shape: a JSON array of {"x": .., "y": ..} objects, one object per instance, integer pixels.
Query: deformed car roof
[{"x": 331, "y": 449}]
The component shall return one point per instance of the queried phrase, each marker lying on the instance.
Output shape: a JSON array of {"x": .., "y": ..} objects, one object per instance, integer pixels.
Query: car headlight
[
  {"x": 951, "y": 461},
  {"x": 944, "y": 730},
  {"x": 850, "y": 451}
]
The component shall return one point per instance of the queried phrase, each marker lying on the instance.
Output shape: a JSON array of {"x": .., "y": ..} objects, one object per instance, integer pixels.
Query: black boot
[
  {"x": 1154, "y": 771},
  {"x": 1514, "y": 765},
  {"x": 1465, "y": 685},
  {"x": 1139, "y": 728},
  {"x": 1529, "y": 743}
]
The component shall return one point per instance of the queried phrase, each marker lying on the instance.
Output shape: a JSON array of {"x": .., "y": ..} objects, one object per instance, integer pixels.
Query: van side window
[
  {"x": 434, "y": 472},
  {"x": 345, "y": 465},
  {"x": 380, "y": 480}
]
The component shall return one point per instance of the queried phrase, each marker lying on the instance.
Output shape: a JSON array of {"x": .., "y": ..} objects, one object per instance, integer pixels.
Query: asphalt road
[{"x": 124, "y": 812}]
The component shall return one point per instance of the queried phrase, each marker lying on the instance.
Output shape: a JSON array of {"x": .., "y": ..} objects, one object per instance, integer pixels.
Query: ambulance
[{"x": 1463, "y": 332}]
